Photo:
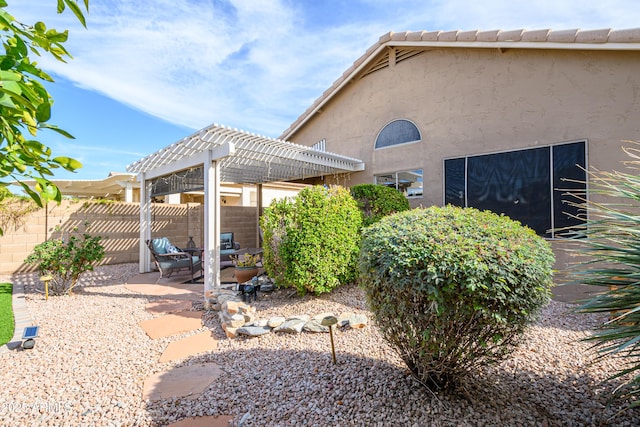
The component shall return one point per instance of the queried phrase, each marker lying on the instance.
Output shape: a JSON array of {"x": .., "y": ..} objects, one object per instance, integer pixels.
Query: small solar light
[
  {"x": 330, "y": 321},
  {"x": 46, "y": 279},
  {"x": 28, "y": 335}
]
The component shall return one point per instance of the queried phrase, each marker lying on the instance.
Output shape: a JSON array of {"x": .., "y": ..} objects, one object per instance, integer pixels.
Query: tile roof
[{"x": 573, "y": 39}]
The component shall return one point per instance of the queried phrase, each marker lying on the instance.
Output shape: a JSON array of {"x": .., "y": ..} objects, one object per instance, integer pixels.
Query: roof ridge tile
[
  {"x": 540, "y": 35},
  {"x": 385, "y": 38},
  {"x": 488, "y": 36},
  {"x": 593, "y": 36},
  {"x": 510, "y": 35},
  {"x": 415, "y": 36},
  {"x": 563, "y": 36},
  {"x": 467, "y": 36},
  {"x": 431, "y": 35},
  {"x": 629, "y": 35},
  {"x": 399, "y": 36},
  {"x": 448, "y": 36}
]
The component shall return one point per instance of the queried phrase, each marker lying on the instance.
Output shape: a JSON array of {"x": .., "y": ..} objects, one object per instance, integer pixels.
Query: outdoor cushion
[
  {"x": 172, "y": 249},
  {"x": 160, "y": 245},
  {"x": 176, "y": 264},
  {"x": 226, "y": 241}
]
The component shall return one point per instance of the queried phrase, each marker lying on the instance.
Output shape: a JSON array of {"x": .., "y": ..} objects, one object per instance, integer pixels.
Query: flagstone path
[{"x": 173, "y": 318}]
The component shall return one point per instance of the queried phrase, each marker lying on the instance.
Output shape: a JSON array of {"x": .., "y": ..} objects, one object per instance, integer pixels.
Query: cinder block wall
[
  {"x": 243, "y": 222},
  {"x": 119, "y": 225}
]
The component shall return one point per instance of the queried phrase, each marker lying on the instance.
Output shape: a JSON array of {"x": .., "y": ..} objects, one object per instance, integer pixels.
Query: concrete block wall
[
  {"x": 119, "y": 225},
  {"x": 243, "y": 222}
]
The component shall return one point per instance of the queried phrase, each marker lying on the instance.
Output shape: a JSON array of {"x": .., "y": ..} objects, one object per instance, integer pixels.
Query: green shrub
[
  {"x": 452, "y": 289},
  {"x": 66, "y": 261},
  {"x": 311, "y": 242},
  {"x": 377, "y": 201},
  {"x": 610, "y": 243}
]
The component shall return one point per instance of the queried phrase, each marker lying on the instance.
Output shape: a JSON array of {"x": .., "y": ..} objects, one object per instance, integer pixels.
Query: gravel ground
[{"x": 90, "y": 361}]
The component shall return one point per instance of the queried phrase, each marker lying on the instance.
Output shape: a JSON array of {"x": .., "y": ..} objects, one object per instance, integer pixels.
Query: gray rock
[
  {"x": 304, "y": 317},
  {"x": 228, "y": 297},
  {"x": 320, "y": 316},
  {"x": 267, "y": 287},
  {"x": 275, "y": 321},
  {"x": 358, "y": 321},
  {"x": 253, "y": 331},
  {"x": 236, "y": 321},
  {"x": 292, "y": 326},
  {"x": 314, "y": 326},
  {"x": 258, "y": 322},
  {"x": 343, "y": 319}
]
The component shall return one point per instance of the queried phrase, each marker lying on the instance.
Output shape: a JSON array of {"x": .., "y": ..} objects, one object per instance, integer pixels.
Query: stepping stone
[
  {"x": 189, "y": 346},
  {"x": 180, "y": 382},
  {"x": 175, "y": 291},
  {"x": 165, "y": 306},
  {"x": 209, "y": 421},
  {"x": 143, "y": 278},
  {"x": 172, "y": 324}
]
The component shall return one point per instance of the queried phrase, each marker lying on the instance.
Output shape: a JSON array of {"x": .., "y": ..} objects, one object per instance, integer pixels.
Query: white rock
[{"x": 275, "y": 321}]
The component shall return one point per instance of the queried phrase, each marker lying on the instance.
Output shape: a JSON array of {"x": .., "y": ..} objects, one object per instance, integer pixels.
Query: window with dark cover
[{"x": 529, "y": 185}]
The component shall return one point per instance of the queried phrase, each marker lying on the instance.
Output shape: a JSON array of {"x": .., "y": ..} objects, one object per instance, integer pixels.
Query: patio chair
[{"x": 170, "y": 259}]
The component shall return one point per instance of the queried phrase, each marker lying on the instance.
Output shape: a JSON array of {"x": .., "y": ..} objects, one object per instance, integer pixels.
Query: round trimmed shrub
[
  {"x": 377, "y": 201},
  {"x": 311, "y": 242},
  {"x": 452, "y": 288}
]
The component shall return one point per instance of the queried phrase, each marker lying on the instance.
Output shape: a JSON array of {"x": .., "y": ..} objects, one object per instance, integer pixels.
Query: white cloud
[{"x": 254, "y": 64}]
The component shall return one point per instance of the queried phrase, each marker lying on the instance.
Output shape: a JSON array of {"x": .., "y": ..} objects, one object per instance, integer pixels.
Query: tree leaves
[
  {"x": 68, "y": 163},
  {"x": 25, "y": 104},
  {"x": 75, "y": 9}
]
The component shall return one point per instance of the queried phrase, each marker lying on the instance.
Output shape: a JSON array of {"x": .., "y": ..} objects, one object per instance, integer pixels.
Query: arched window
[{"x": 397, "y": 132}]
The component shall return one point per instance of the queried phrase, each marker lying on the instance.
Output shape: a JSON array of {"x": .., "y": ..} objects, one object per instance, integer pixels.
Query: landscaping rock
[
  {"x": 276, "y": 321},
  {"x": 253, "y": 331},
  {"x": 314, "y": 326},
  {"x": 291, "y": 326}
]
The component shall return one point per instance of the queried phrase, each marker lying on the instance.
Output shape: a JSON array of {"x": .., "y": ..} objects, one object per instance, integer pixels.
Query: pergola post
[
  {"x": 145, "y": 223},
  {"x": 260, "y": 210},
  {"x": 211, "y": 223}
]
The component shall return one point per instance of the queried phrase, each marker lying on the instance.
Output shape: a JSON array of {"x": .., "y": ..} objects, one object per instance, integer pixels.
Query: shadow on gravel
[
  {"x": 289, "y": 298},
  {"x": 95, "y": 283},
  {"x": 289, "y": 387}
]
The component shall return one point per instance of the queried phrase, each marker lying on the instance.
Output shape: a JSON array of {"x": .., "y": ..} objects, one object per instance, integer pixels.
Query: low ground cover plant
[
  {"x": 311, "y": 242},
  {"x": 452, "y": 289},
  {"x": 64, "y": 261}
]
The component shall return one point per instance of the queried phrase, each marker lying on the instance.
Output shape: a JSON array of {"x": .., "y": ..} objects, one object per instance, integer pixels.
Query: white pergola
[{"x": 232, "y": 156}]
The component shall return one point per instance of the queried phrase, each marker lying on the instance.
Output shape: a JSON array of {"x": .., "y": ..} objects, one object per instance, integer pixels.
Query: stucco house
[{"x": 490, "y": 119}]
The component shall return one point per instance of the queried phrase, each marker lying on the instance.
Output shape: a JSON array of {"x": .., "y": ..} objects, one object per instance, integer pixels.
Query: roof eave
[{"x": 575, "y": 39}]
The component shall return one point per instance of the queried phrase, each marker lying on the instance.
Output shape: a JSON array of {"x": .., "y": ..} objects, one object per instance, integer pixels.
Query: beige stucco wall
[{"x": 477, "y": 101}]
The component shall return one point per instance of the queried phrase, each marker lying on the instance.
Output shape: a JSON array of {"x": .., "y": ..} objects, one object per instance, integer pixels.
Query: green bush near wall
[
  {"x": 311, "y": 242},
  {"x": 66, "y": 261},
  {"x": 378, "y": 201},
  {"x": 452, "y": 289}
]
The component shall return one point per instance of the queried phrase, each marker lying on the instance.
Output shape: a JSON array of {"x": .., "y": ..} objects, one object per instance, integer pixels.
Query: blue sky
[{"x": 147, "y": 73}]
